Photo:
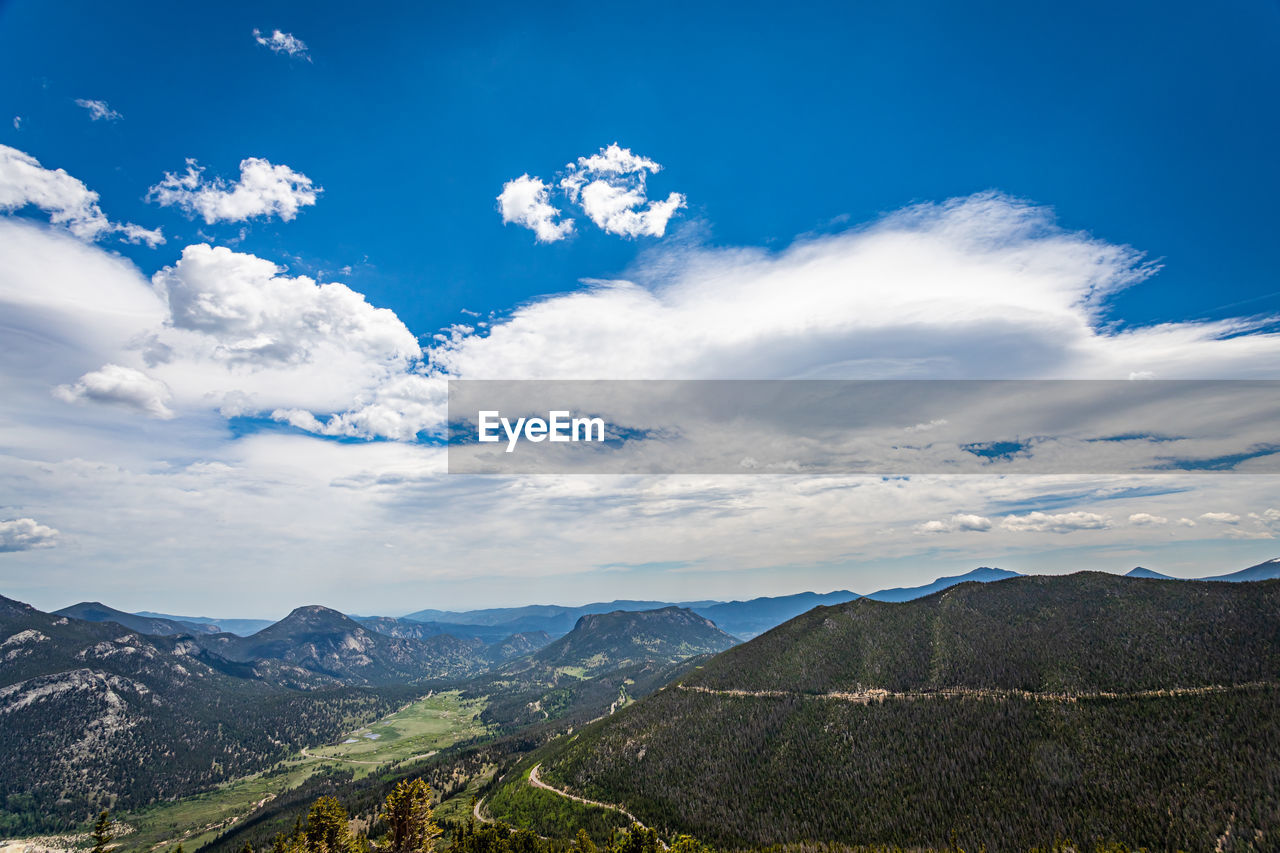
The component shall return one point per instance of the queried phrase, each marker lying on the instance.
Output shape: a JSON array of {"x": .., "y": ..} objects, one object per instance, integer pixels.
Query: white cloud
[
  {"x": 67, "y": 200},
  {"x": 979, "y": 287},
  {"x": 137, "y": 234},
  {"x": 24, "y": 534},
  {"x": 401, "y": 409},
  {"x": 958, "y": 522},
  {"x": 251, "y": 313},
  {"x": 98, "y": 110},
  {"x": 17, "y": 122},
  {"x": 263, "y": 190},
  {"x": 1220, "y": 517},
  {"x": 609, "y": 187},
  {"x": 280, "y": 42},
  {"x": 1146, "y": 519},
  {"x": 1186, "y": 522},
  {"x": 524, "y": 201},
  {"x": 122, "y": 386},
  {"x": 1063, "y": 522}
]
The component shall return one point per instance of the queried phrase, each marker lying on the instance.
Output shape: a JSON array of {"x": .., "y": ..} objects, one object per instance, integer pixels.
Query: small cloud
[
  {"x": 1065, "y": 522},
  {"x": 263, "y": 190},
  {"x": 98, "y": 110},
  {"x": 137, "y": 234},
  {"x": 25, "y": 534},
  {"x": 1186, "y": 522},
  {"x": 961, "y": 522},
  {"x": 122, "y": 386},
  {"x": 1220, "y": 517},
  {"x": 1141, "y": 374},
  {"x": 17, "y": 122},
  {"x": 280, "y": 42},
  {"x": 933, "y": 424},
  {"x": 1146, "y": 519},
  {"x": 609, "y": 187},
  {"x": 526, "y": 201}
]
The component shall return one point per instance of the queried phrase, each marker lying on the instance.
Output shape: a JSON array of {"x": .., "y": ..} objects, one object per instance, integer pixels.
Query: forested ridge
[{"x": 755, "y": 750}]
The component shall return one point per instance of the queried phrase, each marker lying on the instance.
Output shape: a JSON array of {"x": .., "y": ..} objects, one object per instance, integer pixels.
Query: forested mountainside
[
  {"x": 605, "y": 661},
  {"x": 94, "y": 715},
  {"x": 1006, "y": 715}
]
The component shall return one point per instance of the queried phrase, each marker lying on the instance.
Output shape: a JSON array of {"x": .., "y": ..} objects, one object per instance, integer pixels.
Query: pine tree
[
  {"x": 409, "y": 819},
  {"x": 101, "y": 834},
  {"x": 328, "y": 828}
]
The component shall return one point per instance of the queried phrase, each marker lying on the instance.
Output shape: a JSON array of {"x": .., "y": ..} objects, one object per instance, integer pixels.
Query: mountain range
[
  {"x": 1126, "y": 711},
  {"x": 95, "y": 714}
]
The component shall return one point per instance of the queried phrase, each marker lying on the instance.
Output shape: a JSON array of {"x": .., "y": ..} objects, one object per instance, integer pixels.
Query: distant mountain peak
[
  {"x": 982, "y": 574},
  {"x": 1266, "y": 570},
  {"x": 1140, "y": 572}
]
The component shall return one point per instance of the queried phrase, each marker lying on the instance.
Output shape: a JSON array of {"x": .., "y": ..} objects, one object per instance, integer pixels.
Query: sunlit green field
[{"x": 418, "y": 730}]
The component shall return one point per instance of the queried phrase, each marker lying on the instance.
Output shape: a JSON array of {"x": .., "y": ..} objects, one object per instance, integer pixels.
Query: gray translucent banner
[{"x": 883, "y": 427}]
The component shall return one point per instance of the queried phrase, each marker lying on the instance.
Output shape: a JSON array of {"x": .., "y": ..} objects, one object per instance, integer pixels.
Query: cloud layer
[{"x": 984, "y": 286}]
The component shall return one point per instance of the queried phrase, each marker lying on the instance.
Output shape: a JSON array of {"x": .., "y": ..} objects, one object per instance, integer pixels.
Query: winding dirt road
[
  {"x": 536, "y": 782},
  {"x": 866, "y": 697}
]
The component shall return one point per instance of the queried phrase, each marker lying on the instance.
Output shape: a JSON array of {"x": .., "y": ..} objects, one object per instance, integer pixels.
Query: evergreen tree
[
  {"x": 101, "y": 834},
  {"x": 328, "y": 829},
  {"x": 409, "y": 819}
]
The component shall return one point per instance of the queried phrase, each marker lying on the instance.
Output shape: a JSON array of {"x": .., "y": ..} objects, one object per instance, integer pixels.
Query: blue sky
[
  {"x": 1151, "y": 125},
  {"x": 907, "y": 189}
]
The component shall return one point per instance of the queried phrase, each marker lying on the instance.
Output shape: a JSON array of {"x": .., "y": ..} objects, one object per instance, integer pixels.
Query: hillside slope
[
  {"x": 94, "y": 611},
  {"x": 606, "y": 660},
  {"x": 93, "y": 715},
  {"x": 1125, "y": 709},
  {"x": 1267, "y": 570}
]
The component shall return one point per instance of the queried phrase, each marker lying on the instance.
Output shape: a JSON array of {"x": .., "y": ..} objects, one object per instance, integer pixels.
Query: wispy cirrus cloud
[
  {"x": 282, "y": 42},
  {"x": 263, "y": 190},
  {"x": 98, "y": 110}
]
